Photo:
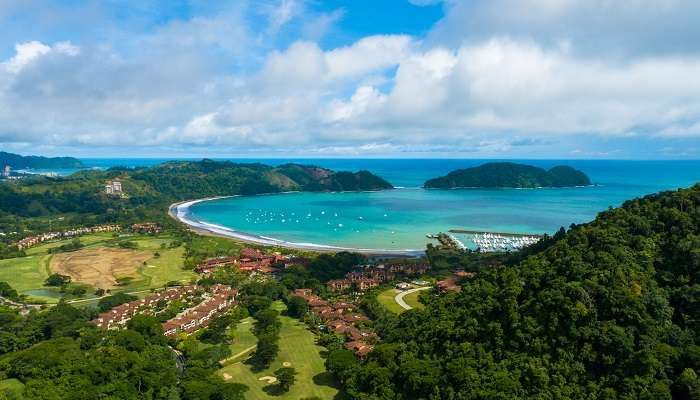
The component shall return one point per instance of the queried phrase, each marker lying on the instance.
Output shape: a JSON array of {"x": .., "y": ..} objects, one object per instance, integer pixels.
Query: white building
[{"x": 113, "y": 187}]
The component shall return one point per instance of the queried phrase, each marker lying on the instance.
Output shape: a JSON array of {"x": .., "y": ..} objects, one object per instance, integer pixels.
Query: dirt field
[{"x": 99, "y": 267}]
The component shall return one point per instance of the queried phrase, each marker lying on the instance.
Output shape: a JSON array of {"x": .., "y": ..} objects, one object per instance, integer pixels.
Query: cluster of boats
[{"x": 494, "y": 242}]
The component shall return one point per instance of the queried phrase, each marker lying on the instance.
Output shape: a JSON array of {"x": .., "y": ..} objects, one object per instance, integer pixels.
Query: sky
[{"x": 564, "y": 79}]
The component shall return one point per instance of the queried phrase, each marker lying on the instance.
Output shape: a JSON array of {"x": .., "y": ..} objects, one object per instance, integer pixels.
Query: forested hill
[
  {"x": 188, "y": 180},
  {"x": 509, "y": 175},
  {"x": 148, "y": 191},
  {"x": 607, "y": 310},
  {"x": 17, "y": 161}
]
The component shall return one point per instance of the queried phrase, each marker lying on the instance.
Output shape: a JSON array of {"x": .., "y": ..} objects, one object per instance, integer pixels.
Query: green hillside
[{"x": 607, "y": 310}]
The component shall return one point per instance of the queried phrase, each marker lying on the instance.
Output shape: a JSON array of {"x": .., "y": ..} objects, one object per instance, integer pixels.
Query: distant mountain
[
  {"x": 17, "y": 161},
  {"x": 511, "y": 175}
]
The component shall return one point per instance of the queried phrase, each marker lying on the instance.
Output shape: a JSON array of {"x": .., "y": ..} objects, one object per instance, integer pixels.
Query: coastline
[{"x": 180, "y": 212}]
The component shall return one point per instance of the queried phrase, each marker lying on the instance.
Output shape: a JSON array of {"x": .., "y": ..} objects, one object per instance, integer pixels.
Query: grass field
[
  {"x": 97, "y": 261},
  {"x": 386, "y": 298},
  {"x": 11, "y": 385},
  {"x": 412, "y": 300},
  {"x": 298, "y": 349}
]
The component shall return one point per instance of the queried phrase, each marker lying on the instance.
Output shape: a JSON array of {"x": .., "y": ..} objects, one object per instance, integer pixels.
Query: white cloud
[
  {"x": 489, "y": 72},
  {"x": 28, "y": 52}
]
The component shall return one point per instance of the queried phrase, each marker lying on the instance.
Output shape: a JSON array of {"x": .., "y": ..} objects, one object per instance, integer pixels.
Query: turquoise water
[{"x": 399, "y": 219}]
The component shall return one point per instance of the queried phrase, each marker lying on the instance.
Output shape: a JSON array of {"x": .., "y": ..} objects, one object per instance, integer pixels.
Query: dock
[{"x": 506, "y": 234}]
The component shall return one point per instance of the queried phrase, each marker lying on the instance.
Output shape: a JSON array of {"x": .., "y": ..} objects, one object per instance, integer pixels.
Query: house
[
  {"x": 448, "y": 285},
  {"x": 338, "y": 285},
  {"x": 146, "y": 227},
  {"x": 366, "y": 284},
  {"x": 353, "y": 318},
  {"x": 338, "y": 326},
  {"x": 361, "y": 349},
  {"x": 303, "y": 292},
  {"x": 208, "y": 266}
]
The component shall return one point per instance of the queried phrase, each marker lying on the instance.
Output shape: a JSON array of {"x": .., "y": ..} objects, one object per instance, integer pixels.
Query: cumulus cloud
[
  {"x": 493, "y": 76},
  {"x": 26, "y": 53}
]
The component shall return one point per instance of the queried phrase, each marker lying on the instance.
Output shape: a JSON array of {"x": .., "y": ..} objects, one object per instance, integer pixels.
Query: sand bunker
[
  {"x": 99, "y": 267},
  {"x": 227, "y": 376},
  {"x": 286, "y": 364},
  {"x": 268, "y": 379}
]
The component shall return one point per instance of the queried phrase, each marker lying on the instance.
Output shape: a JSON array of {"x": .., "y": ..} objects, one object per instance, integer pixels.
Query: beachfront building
[{"x": 6, "y": 171}]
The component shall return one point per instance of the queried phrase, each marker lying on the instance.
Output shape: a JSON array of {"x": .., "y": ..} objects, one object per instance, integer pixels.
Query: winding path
[{"x": 399, "y": 297}]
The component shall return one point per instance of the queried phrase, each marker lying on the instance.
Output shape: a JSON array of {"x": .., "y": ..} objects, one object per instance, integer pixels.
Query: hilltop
[
  {"x": 509, "y": 175},
  {"x": 17, "y": 161}
]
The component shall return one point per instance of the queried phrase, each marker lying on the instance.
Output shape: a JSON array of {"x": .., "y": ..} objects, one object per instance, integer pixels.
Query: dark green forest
[
  {"x": 608, "y": 310},
  {"x": 510, "y": 175},
  {"x": 79, "y": 199}
]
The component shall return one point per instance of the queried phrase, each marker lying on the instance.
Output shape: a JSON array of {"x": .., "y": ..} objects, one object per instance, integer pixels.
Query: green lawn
[
  {"x": 386, "y": 298},
  {"x": 297, "y": 347},
  {"x": 412, "y": 299},
  {"x": 243, "y": 341},
  {"x": 11, "y": 385},
  {"x": 27, "y": 274}
]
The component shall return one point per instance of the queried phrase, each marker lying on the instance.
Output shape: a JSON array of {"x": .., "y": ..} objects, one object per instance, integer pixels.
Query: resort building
[
  {"x": 146, "y": 227},
  {"x": 216, "y": 300},
  {"x": 114, "y": 188},
  {"x": 366, "y": 277},
  {"x": 118, "y": 316},
  {"x": 193, "y": 319},
  {"x": 339, "y": 285},
  {"x": 31, "y": 241},
  {"x": 341, "y": 318},
  {"x": 250, "y": 260},
  {"x": 6, "y": 171},
  {"x": 208, "y": 266}
]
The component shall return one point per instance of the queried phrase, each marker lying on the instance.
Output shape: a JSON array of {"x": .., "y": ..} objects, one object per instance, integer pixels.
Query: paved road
[{"x": 399, "y": 297}]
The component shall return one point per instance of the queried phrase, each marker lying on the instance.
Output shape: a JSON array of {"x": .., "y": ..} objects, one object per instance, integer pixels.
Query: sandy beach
[{"x": 180, "y": 212}]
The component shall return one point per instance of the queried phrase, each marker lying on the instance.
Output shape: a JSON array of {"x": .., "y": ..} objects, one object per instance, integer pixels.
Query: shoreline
[{"x": 179, "y": 212}]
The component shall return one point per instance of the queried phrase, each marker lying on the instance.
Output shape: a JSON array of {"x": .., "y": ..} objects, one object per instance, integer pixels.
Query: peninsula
[
  {"x": 509, "y": 175},
  {"x": 17, "y": 161}
]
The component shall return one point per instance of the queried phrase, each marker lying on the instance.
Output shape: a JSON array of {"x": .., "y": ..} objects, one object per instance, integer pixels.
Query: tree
[
  {"x": 285, "y": 377},
  {"x": 297, "y": 307},
  {"x": 148, "y": 326},
  {"x": 341, "y": 363},
  {"x": 265, "y": 351},
  {"x": 57, "y": 280},
  {"x": 109, "y": 302}
]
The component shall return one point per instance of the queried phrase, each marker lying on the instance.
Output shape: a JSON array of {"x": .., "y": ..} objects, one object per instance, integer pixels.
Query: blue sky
[{"x": 360, "y": 78}]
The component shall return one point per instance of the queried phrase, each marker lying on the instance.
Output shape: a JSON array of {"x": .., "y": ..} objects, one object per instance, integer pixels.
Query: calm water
[{"x": 399, "y": 219}]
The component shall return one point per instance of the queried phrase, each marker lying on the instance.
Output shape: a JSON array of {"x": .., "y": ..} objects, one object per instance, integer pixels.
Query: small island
[{"x": 510, "y": 175}]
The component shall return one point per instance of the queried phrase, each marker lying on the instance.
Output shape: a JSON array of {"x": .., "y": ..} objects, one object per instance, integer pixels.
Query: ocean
[{"x": 400, "y": 219}]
